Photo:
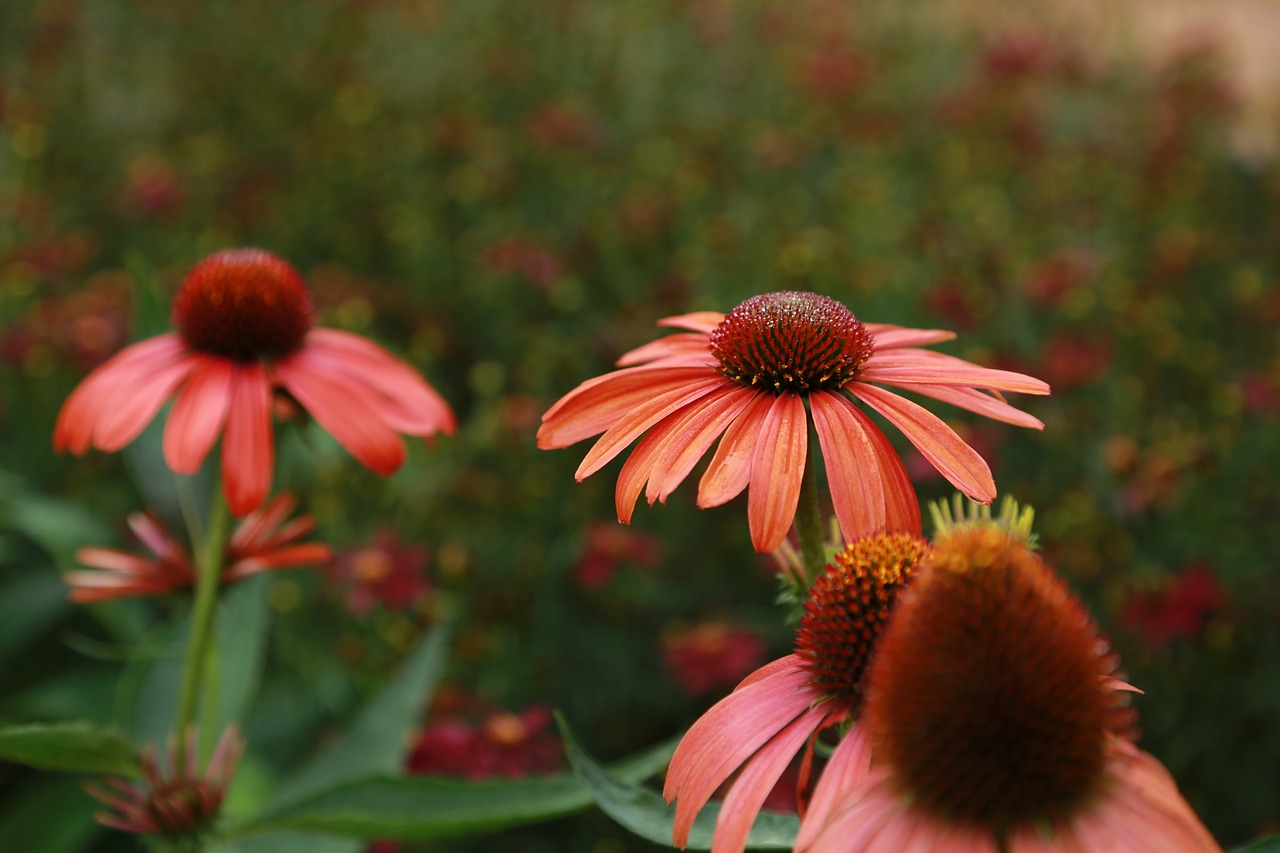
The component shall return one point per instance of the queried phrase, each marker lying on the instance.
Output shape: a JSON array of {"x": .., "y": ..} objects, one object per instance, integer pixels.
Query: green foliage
[{"x": 76, "y": 747}]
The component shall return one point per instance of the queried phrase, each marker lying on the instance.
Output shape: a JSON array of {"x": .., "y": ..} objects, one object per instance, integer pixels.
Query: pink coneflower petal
[
  {"x": 902, "y": 509},
  {"x": 133, "y": 398},
  {"x": 729, "y": 471},
  {"x": 698, "y": 321},
  {"x": 644, "y": 415},
  {"x": 957, "y": 461},
  {"x": 757, "y": 778},
  {"x": 706, "y": 421},
  {"x": 895, "y": 337},
  {"x": 599, "y": 403},
  {"x": 853, "y": 466},
  {"x": 691, "y": 346},
  {"x": 198, "y": 414},
  {"x": 975, "y": 401},
  {"x": 280, "y": 558},
  {"x": 78, "y": 418},
  {"x": 862, "y": 817},
  {"x": 338, "y": 405},
  {"x": 151, "y": 533},
  {"x": 256, "y": 528},
  {"x": 777, "y": 471},
  {"x": 248, "y": 450},
  {"x": 934, "y": 368},
  {"x": 848, "y": 766}
]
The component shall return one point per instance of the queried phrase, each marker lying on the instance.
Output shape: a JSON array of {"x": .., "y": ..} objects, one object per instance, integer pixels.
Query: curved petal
[
  {"x": 198, "y": 414},
  {"x": 405, "y": 400},
  {"x": 248, "y": 451},
  {"x": 860, "y": 821},
  {"x": 760, "y": 773},
  {"x": 848, "y": 767},
  {"x": 152, "y": 533},
  {"x": 934, "y": 368},
  {"x": 726, "y": 736},
  {"x": 706, "y": 424},
  {"x": 114, "y": 561},
  {"x": 255, "y": 529},
  {"x": 282, "y": 558},
  {"x": 777, "y": 470},
  {"x": 341, "y": 406},
  {"x": 698, "y": 321},
  {"x": 975, "y": 401},
  {"x": 644, "y": 415},
  {"x": 729, "y": 471},
  {"x": 853, "y": 467},
  {"x": 79, "y": 416},
  {"x": 902, "y": 507},
  {"x": 599, "y": 403},
  {"x": 896, "y": 337},
  {"x": 683, "y": 345},
  {"x": 957, "y": 461}
]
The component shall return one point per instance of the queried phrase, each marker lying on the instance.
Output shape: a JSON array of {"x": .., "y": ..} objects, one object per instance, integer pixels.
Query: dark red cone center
[
  {"x": 244, "y": 304},
  {"x": 791, "y": 341},
  {"x": 849, "y": 606},
  {"x": 986, "y": 696}
]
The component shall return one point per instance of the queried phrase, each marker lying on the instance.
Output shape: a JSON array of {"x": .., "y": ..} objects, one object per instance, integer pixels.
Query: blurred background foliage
[{"x": 509, "y": 195}]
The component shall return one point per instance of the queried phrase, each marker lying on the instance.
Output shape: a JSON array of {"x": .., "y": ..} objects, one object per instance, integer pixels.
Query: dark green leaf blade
[{"x": 76, "y": 747}]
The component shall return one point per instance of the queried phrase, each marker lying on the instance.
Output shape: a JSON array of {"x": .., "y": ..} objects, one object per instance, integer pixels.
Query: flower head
[
  {"x": 498, "y": 744},
  {"x": 244, "y": 323},
  {"x": 753, "y": 379},
  {"x": 173, "y": 802},
  {"x": 261, "y": 542},
  {"x": 711, "y": 654},
  {"x": 757, "y": 730},
  {"x": 996, "y": 722},
  {"x": 386, "y": 572}
]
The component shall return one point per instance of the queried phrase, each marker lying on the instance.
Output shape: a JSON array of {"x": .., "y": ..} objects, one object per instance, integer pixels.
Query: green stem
[
  {"x": 208, "y": 557},
  {"x": 809, "y": 525}
]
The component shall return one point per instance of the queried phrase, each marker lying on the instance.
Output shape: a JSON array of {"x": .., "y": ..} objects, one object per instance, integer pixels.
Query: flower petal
[
  {"x": 902, "y": 507},
  {"x": 848, "y": 767},
  {"x": 198, "y": 414},
  {"x": 777, "y": 470},
  {"x": 707, "y": 423},
  {"x": 757, "y": 779},
  {"x": 698, "y": 321},
  {"x": 248, "y": 451},
  {"x": 642, "y": 416},
  {"x": 853, "y": 466},
  {"x": 341, "y": 406},
  {"x": 896, "y": 337},
  {"x": 599, "y": 403},
  {"x": 729, "y": 471},
  {"x": 688, "y": 345},
  {"x": 975, "y": 401},
  {"x": 957, "y": 461},
  {"x": 934, "y": 368},
  {"x": 281, "y": 558}
]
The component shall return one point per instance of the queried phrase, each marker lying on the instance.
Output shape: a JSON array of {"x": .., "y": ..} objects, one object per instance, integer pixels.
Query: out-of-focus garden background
[{"x": 509, "y": 194}]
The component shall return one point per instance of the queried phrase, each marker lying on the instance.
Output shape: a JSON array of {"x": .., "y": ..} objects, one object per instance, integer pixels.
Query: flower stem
[
  {"x": 208, "y": 557},
  {"x": 813, "y": 550}
]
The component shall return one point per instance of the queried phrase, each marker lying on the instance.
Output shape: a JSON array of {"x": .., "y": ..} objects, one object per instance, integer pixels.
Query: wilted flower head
[
  {"x": 261, "y": 542},
  {"x": 244, "y": 323},
  {"x": 752, "y": 379},
  {"x": 172, "y": 802}
]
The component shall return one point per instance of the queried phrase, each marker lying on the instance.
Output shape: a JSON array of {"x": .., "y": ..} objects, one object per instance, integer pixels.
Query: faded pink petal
[
  {"x": 729, "y": 471},
  {"x": 975, "y": 401},
  {"x": 341, "y": 406},
  {"x": 848, "y": 767},
  {"x": 853, "y": 469},
  {"x": 689, "y": 345},
  {"x": 777, "y": 471},
  {"x": 957, "y": 461},
  {"x": 704, "y": 426},
  {"x": 597, "y": 404},
  {"x": 248, "y": 451},
  {"x": 698, "y": 321},
  {"x": 895, "y": 337},
  {"x": 902, "y": 509},
  {"x": 934, "y": 368},
  {"x": 198, "y": 414}
]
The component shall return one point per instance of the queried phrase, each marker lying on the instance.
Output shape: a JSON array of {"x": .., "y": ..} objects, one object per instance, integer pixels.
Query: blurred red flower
[
  {"x": 385, "y": 572},
  {"x": 1179, "y": 608},
  {"x": 609, "y": 545},
  {"x": 711, "y": 654},
  {"x": 501, "y": 744}
]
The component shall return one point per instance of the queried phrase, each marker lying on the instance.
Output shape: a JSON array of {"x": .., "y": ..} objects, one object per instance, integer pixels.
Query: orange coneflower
[
  {"x": 765, "y": 722},
  {"x": 750, "y": 376},
  {"x": 244, "y": 324},
  {"x": 261, "y": 542},
  {"x": 996, "y": 723}
]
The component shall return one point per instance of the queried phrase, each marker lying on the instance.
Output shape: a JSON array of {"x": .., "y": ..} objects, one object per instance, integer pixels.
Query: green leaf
[
  {"x": 30, "y": 603},
  {"x": 49, "y": 814},
  {"x": 1270, "y": 844},
  {"x": 377, "y": 741},
  {"x": 428, "y": 807},
  {"x": 79, "y": 747},
  {"x": 643, "y": 812},
  {"x": 289, "y": 842}
]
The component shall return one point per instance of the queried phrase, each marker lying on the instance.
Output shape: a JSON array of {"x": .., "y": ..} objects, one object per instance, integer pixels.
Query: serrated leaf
[
  {"x": 77, "y": 747},
  {"x": 643, "y": 811},
  {"x": 380, "y": 736},
  {"x": 409, "y": 808}
]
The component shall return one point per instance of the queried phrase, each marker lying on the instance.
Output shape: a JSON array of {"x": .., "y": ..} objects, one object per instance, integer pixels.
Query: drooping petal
[
  {"x": 902, "y": 507},
  {"x": 847, "y": 768},
  {"x": 248, "y": 450},
  {"x": 924, "y": 367},
  {"x": 152, "y": 534},
  {"x": 975, "y": 401},
  {"x": 859, "y": 820},
  {"x": 405, "y": 400},
  {"x": 79, "y": 416},
  {"x": 724, "y": 737},
  {"x": 253, "y": 532},
  {"x": 644, "y": 415},
  {"x": 698, "y": 321},
  {"x": 753, "y": 785},
  {"x": 957, "y": 461},
  {"x": 729, "y": 471},
  {"x": 280, "y": 558},
  {"x": 690, "y": 345},
  {"x": 707, "y": 422},
  {"x": 896, "y": 337},
  {"x": 787, "y": 663},
  {"x": 599, "y": 403},
  {"x": 853, "y": 467},
  {"x": 777, "y": 471},
  {"x": 340, "y": 406},
  {"x": 198, "y": 414},
  {"x": 113, "y": 560}
]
